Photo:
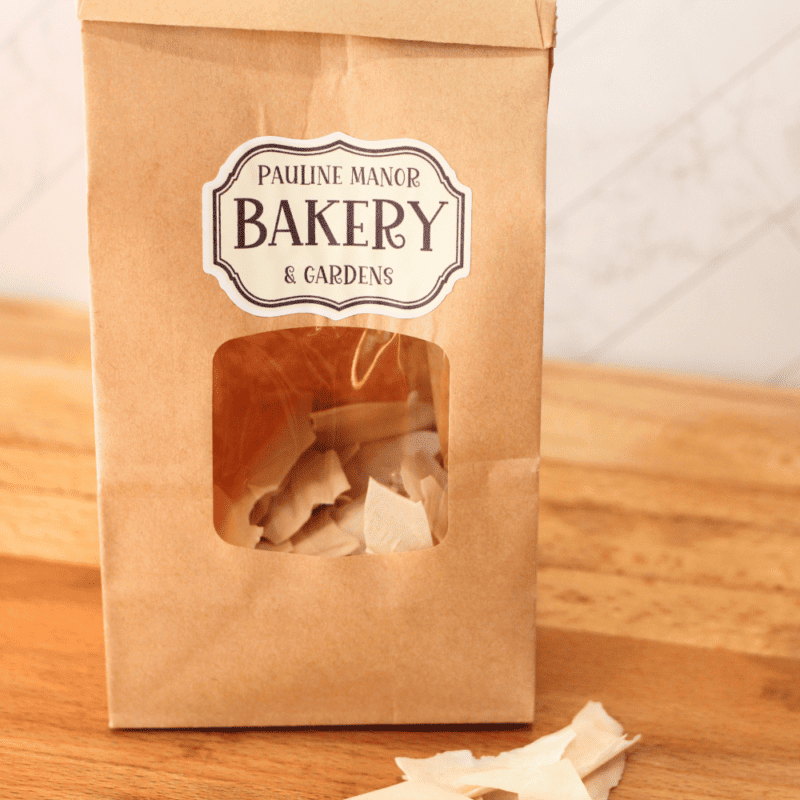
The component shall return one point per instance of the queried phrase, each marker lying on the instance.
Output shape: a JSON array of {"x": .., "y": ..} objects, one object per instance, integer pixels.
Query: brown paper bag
[{"x": 198, "y": 116}]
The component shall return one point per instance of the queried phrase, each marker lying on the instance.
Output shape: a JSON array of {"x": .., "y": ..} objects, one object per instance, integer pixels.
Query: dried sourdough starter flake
[
  {"x": 317, "y": 479},
  {"x": 321, "y": 536},
  {"x": 600, "y": 782},
  {"x": 550, "y": 768},
  {"x": 598, "y": 739},
  {"x": 265, "y": 474},
  {"x": 365, "y": 422},
  {"x": 234, "y": 523},
  {"x": 346, "y": 490},
  {"x": 551, "y": 781},
  {"x": 392, "y": 523},
  {"x": 274, "y": 461},
  {"x": 413, "y": 790},
  {"x": 383, "y": 459},
  {"x": 350, "y": 518}
]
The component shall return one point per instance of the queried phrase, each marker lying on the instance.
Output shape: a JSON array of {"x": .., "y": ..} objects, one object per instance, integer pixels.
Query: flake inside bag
[
  {"x": 392, "y": 523},
  {"x": 343, "y": 441},
  {"x": 321, "y": 536},
  {"x": 316, "y": 479},
  {"x": 275, "y": 433},
  {"x": 365, "y": 422}
]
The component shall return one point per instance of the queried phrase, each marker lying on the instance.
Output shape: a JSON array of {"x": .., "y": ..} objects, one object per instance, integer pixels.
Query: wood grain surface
[
  {"x": 714, "y": 723},
  {"x": 669, "y": 589}
]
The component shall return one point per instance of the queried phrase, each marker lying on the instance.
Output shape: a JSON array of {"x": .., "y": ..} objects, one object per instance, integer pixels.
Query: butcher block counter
[{"x": 669, "y": 590}]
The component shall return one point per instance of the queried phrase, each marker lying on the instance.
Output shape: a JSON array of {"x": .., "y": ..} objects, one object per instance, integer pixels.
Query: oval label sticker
[{"x": 336, "y": 226}]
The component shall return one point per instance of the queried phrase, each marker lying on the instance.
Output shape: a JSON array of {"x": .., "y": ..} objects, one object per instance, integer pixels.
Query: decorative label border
[{"x": 230, "y": 280}]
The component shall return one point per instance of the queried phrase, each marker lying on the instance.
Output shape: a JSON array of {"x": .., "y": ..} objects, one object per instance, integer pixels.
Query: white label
[{"x": 336, "y": 226}]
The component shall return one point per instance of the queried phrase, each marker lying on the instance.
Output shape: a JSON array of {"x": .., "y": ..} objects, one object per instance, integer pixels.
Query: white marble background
[{"x": 673, "y": 185}]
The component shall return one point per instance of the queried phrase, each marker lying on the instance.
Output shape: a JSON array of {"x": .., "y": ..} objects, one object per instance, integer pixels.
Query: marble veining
[
  {"x": 704, "y": 166},
  {"x": 41, "y": 94},
  {"x": 737, "y": 322},
  {"x": 637, "y": 75},
  {"x": 648, "y": 231}
]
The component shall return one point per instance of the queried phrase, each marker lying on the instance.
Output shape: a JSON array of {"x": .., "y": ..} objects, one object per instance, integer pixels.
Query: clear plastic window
[{"x": 330, "y": 442}]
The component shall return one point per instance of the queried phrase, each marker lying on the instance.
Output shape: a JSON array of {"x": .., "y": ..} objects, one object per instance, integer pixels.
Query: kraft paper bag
[{"x": 317, "y": 253}]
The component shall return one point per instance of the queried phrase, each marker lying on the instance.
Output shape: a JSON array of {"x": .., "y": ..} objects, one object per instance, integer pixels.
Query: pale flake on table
[
  {"x": 593, "y": 715},
  {"x": 541, "y": 770},
  {"x": 558, "y": 781},
  {"x": 600, "y": 782},
  {"x": 460, "y": 770},
  {"x": 596, "y": 740},
  {"x": 427, "y": 769},
  {"x": 546, "y": 749},
  {"x": 511, "y": 770},
  {"x": 410, "y": 790}
]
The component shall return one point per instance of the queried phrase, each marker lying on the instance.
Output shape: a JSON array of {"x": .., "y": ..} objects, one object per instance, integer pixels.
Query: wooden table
[{"x": 669, "y": 589}]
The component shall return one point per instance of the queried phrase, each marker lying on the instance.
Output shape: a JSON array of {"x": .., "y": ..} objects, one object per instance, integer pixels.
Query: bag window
[{"x": 330, "y": 441}]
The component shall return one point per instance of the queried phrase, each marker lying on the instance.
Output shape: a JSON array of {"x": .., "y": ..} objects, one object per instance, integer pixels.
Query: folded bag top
[{"x": 512, "y": 23}]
